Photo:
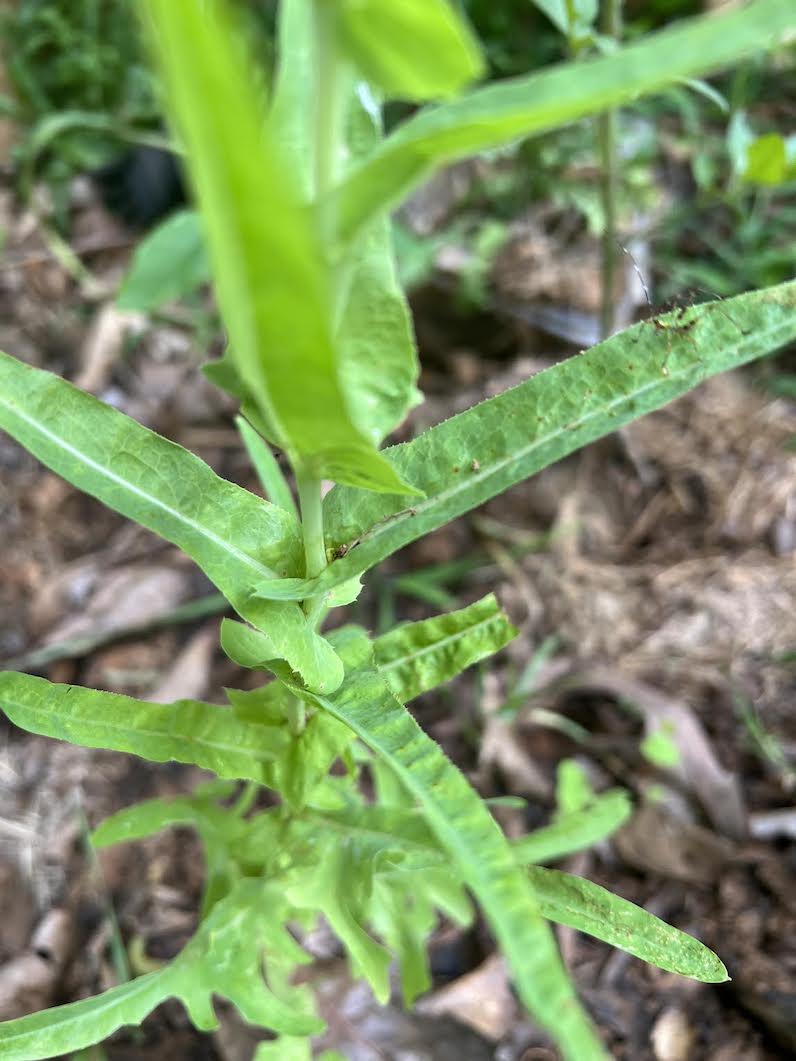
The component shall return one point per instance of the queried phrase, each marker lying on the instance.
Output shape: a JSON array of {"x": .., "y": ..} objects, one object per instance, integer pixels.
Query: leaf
[
  {"x": 186, "y": 731},
  {"x": 419, "y": 656},
  {"x": 168, "y": 263},
  {"x": 268, "y": 471},
  {"x": 767, "y": 161},
  {"x": 374, "y": 338},
  {"x": 574, "y": 832},
  {"x": 236, "y": 538},
  {"x": 224, "y": 958},
  {"x": 286, "y": 636},
  {"x": 465, "y": 828},
  {"x": 379, "y": 366},
  {"x": 470, "y": 458},
  {"x": 579, "y": 903},
  {"x": 152, "y": 815},
  {"x": 525, "y": 106},
  {"x": 272, "y": 281},
  {"x": 409, "y": 49}
]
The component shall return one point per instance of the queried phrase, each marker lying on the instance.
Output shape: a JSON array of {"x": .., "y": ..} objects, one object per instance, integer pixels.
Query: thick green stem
[
  {"x": 309, "y": 491},
  {"x": 611, "y": 26},
  {"x": 328, "y": 99}
]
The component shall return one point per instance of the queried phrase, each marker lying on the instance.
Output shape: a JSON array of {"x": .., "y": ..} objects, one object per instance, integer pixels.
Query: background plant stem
[{"x": 611, "y": 26}]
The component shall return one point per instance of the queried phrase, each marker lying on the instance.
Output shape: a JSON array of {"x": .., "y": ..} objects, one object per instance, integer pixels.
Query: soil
[{"x": 656, "y": 567}]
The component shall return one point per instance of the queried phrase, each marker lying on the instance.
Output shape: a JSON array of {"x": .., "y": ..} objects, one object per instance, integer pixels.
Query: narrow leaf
[
  {"x": 286, "y": 635},
  {"x": 186, "y": 731},
  {"x": 464, "y": 826},
  {"x": 419, "y": 656},
  {"x": 224, "y": 958},
  {"x": 273, "y": 284},
  {"x": 234, "y": 536},
  {"x": 519, "y": 107},
  {"x": 470, "y": 458},
  {"x": 576, "y": 831},
  {"x": 268, "y": 471},
  {"x": 579, "y": 903}
]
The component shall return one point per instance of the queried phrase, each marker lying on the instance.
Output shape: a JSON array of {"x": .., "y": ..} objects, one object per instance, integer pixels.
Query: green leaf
[
  {"x": 168, "y": 263},
  {"x": 286, "y": 636},
  {"x": 465, "y": 828},
  {"x": 589, "y": 908},
  {"x": 409, "y": 49},
  {"x": 767, "y": 161},
  {"x": 268, "y": 471},
  {"x": 419, "y": 656},
  {"x": 186, "y": 731},
  {"x": 378, "y": 361},
  {"x": 153, "y": 815},
  {"x": 379, "y": 366},
  {"x": 573, "y": 788},
  {"x": 574, "y": 832},
  {"x": 470, "y": 458},
  {"x": 303, "y": 765},
  {"x": 519, "y": 107},
  {"x": 269, "y": 266},
  {"x": 234, "y": 536},
  {"x": 224, "y": 958}
]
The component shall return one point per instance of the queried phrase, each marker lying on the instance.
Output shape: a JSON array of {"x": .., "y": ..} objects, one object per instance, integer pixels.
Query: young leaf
[
  {"x": 409, "y": 49},
  {"x": 579, "y": 903},
  {"x": 224, "y": 958},
  {"x": 420, "y": 656},
  {"x": 470, "y": 458},
  {"x": 186, "y": 731},
  {"x": 576, "y": 831},
  {"x": 378, "y": 360},
  {"x": 273, "y": 283},
  {"x": 518, "y": 107},
  {"x": 289, "y": 637},
  {"x": 234, "y": 536},
  {"x": 465, "y": 828},
  {"x": 168, "y": 263}
]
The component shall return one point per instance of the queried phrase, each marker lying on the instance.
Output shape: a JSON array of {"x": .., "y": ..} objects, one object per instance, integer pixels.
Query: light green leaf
[
  {"x": 224, "y": 958},
  {"x": 186, "y": 731},
  {"x": 583, "y": 905},
  {"x": 466, "y": 829},
  {"x": 420, "y": 656},
  {"x": 574, "y": 832},
  {"x": 268, "y": 471},
  {"x": 286, "y": 635},
  {"x": 168, "y": 263},
  {"x": 409, "y": 49},
  {"x": 152, "y": 815},
  {"x": 379, "y": 365},
  {"x": 573, "y": 788},
  {"x": 470, "y": 458},
  {"x": 378, "y": 362},
  {"x": 234, "y": 536},
  {"x": 767, "y": 161},
  {"x": 272, "y": 280},
  {"x": 519, "y": 107}
]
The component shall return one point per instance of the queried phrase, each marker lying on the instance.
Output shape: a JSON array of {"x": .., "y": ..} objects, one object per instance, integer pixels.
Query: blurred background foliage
[{"x": 707, "y": 171}]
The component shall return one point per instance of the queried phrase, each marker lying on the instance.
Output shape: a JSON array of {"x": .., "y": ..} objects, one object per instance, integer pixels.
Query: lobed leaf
[
  {"x": 416, "y": 657},
  {"x": 465, "y": 828},
  {"x": 186, "y": 731},
  {"x": 272, "y": 280},
  {"x": 470, "y": 458},
  {"x": 524, "y": 106},
  {"x": 235, "y": 537},
  {"x": 224, "y": 958},
  {"x": 580, "y": 904}
]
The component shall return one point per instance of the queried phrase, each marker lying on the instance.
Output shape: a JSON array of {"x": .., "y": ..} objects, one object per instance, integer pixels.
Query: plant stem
[
  {"x": 611, "y": 26},
  {"x": 328, "y": 98},
  {"x": 309, "y": 491}
]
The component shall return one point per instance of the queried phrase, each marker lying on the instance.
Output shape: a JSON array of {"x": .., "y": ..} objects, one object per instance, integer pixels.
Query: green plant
[{"x": 294, "y": 207}]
